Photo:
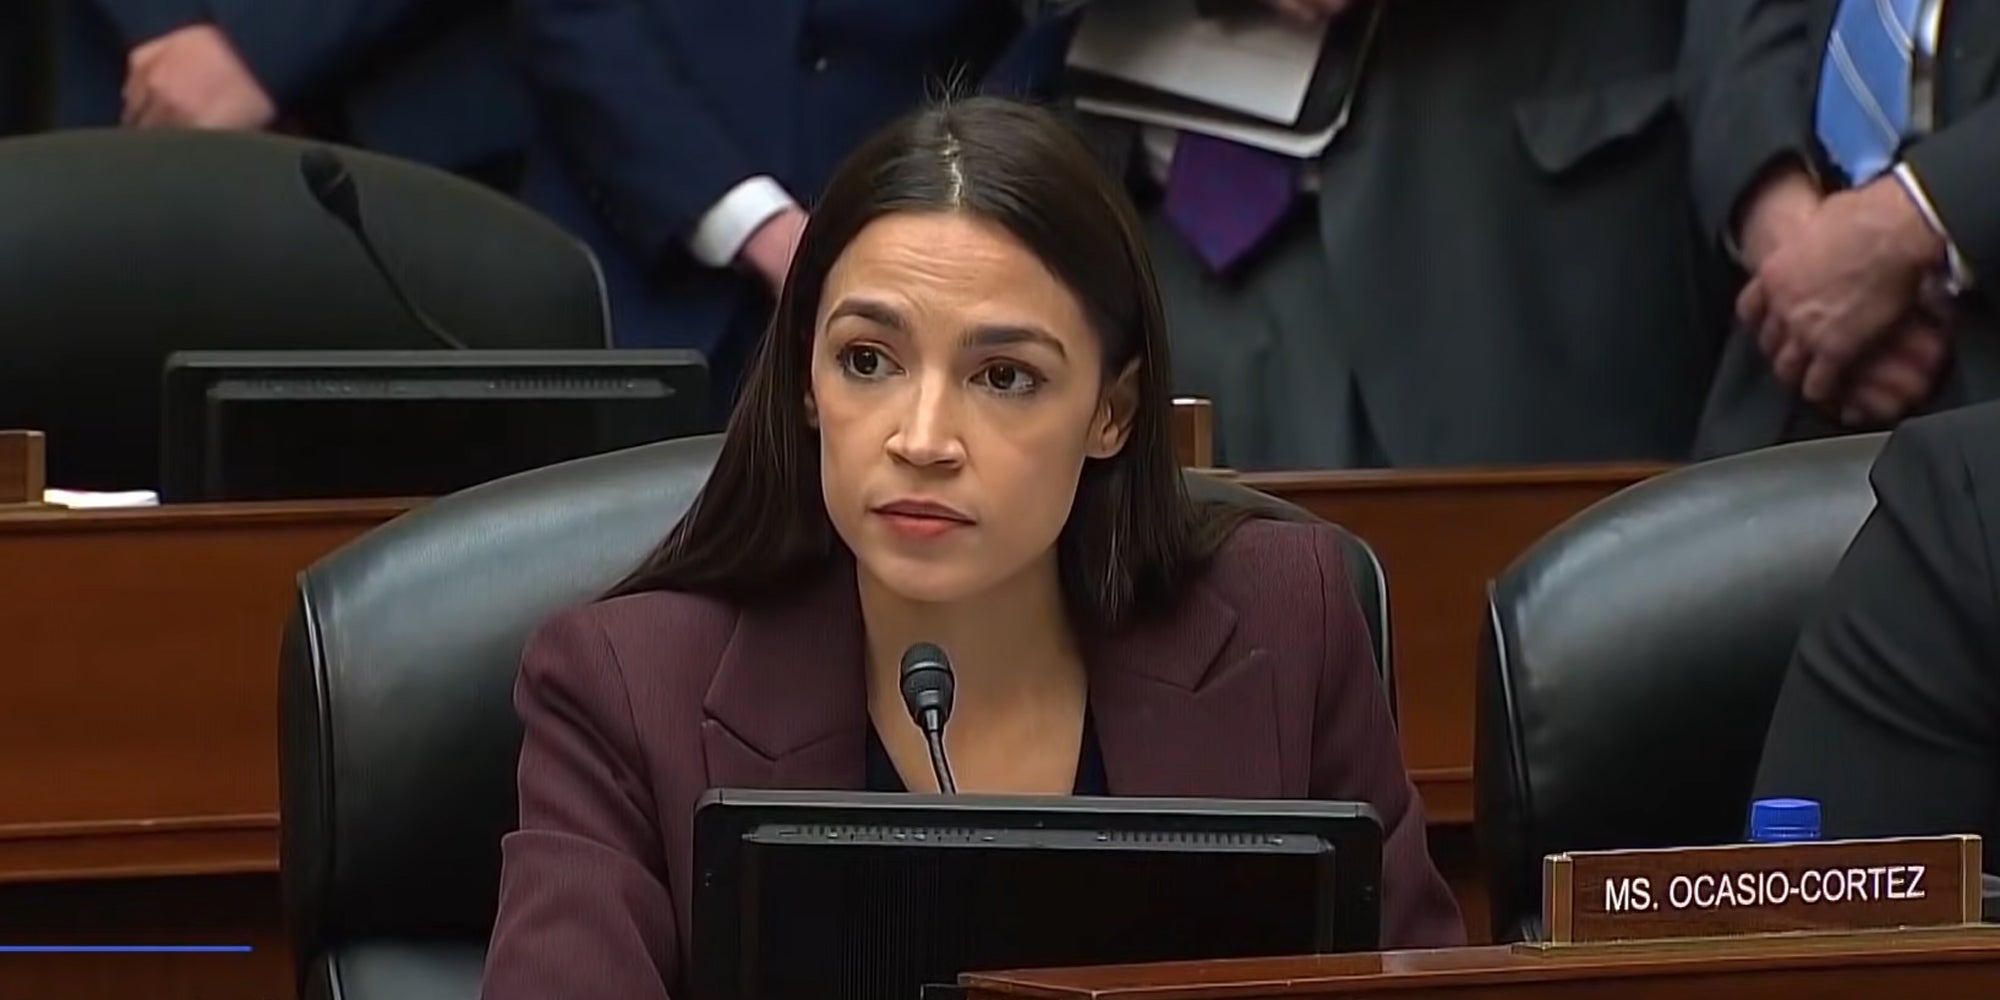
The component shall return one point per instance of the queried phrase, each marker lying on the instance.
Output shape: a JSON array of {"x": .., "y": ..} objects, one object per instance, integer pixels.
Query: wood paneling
[
  {"x": 138, "y": 699},
  {"x": 209, "y": 910}
]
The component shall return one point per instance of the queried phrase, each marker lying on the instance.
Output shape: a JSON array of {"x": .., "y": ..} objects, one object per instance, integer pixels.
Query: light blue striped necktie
[{"x": 1863, "y": 112}]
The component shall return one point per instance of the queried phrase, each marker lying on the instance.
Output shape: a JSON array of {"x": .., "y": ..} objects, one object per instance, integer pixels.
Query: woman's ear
[
  {"x": 1115, "y": 413},
  {"x": 812, "y": 411}
]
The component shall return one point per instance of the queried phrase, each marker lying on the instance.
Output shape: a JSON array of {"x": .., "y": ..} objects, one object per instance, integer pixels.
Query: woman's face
[{"x": 958, "y": 390}]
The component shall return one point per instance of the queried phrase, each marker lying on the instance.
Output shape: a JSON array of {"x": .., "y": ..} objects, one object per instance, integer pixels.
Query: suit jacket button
[{"x": 820, "y": 64}]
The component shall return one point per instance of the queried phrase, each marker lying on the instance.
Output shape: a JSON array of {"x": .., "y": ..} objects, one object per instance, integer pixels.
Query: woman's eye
[
  {"x": 1012, "y": 380},
  {"x": 863, "y": 361}
]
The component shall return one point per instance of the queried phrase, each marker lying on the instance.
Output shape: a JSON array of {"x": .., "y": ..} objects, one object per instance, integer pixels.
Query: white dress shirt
[
  {"x": 722, "y": 231},
  {"x": 1923, "y": 114}
]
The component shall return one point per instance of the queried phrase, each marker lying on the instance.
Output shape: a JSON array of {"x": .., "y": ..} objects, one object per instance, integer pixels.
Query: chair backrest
[
  {"x": 1633, "y": 656},
  {"x": 122, "y": 246},
  {"x": 398, "y": 735}
]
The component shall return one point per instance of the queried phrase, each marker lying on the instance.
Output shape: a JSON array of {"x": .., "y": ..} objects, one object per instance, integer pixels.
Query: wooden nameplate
[{"x": 1608, "y": 897}]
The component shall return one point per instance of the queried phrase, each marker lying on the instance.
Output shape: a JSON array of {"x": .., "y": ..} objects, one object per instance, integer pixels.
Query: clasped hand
[
  {"x": 1844, "y": 297},
  {"x": 193, "y": 78}
]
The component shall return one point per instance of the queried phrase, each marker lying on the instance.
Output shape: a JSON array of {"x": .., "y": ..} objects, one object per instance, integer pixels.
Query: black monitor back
[
  {"x": 862, "y": 896},
  {"x": 320, "y": 424}
]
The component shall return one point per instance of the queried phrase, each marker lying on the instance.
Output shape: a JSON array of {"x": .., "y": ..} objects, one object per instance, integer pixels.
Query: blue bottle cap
[{"x": 1784, "y": 819}]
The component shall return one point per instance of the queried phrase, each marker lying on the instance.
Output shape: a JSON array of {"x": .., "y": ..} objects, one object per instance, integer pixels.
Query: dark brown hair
[{"x": 1133, "y": 540}]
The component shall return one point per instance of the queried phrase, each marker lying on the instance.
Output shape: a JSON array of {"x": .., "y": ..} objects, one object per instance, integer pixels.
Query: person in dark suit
[
  {"x": 1493, "y": 263},
  {"x": 1890, "y": 712},
  {"x": 955, "y": 432},
  {"x": 683, "y": 141},
  {"x": 425, "y": 80},
  {"x": 1846, "y": 151}
]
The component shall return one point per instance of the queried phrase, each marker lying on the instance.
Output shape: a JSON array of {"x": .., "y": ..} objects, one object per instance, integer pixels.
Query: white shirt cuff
[
  {"x": 1959, "y": 272},
  {"x": 726, "y": 226}
]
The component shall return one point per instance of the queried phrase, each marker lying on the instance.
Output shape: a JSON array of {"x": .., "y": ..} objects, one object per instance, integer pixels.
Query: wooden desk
[
  {"x": 138, "y": 720},
  {"x": 1847, "y": 967},
  {"x": 138, "y": 699}
]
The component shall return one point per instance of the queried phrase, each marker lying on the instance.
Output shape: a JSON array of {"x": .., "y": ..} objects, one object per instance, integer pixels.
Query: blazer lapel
[
  {"x": 787, "y": 707},
  {"x": 1181, "y": 710}
]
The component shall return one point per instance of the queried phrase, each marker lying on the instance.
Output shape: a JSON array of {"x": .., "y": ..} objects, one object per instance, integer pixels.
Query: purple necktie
[{"x": 1226, "y": 197}]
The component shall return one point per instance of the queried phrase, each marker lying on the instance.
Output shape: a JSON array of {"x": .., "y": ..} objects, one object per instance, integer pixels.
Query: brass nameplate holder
[{"x": 1598, "y": 897}]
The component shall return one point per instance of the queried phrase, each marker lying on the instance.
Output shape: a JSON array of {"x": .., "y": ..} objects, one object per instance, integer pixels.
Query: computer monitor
[
  {"x": 257, "y": 425},
  {"x": 879, "y": 896}
]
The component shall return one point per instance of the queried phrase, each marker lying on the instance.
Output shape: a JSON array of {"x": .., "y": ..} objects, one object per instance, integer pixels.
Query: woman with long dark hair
[{"x": 955, "y": 432}]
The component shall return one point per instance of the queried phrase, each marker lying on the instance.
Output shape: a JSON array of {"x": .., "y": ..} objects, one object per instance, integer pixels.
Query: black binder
[{"x": 1335, "y": 78}]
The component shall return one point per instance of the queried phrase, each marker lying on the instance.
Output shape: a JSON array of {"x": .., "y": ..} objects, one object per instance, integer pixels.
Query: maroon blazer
[{"x": 1262, "y": 686}]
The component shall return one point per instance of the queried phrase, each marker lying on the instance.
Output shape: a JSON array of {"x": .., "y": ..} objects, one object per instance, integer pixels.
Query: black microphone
[
  {"x": 927, "y": 685},
  {"x": 330, "y": 183}
]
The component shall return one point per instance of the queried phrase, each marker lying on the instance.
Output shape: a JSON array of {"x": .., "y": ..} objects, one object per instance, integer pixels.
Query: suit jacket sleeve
[
  {"x": 299, "y": 48},
  {"x": 291, "y": 48},
  {"x": 1957, "y": 166},
  {"x": 1357, "y": 758},
  {"x": 584, "y": 905},
  {"x": 1753, "y": 101},
  {"x": 1031, "y": 66},
  {"x": 1888, "y": 713},
  {"x": 641, "y": 140},
  {"x": 141, "y": 21}
]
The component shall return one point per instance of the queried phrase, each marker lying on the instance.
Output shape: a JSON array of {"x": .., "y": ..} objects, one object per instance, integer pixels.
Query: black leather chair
[
  {"x": 122, "y": 246},
  {"x": 397, "y": 730},
  {"x": 1633, "y": 656}
]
